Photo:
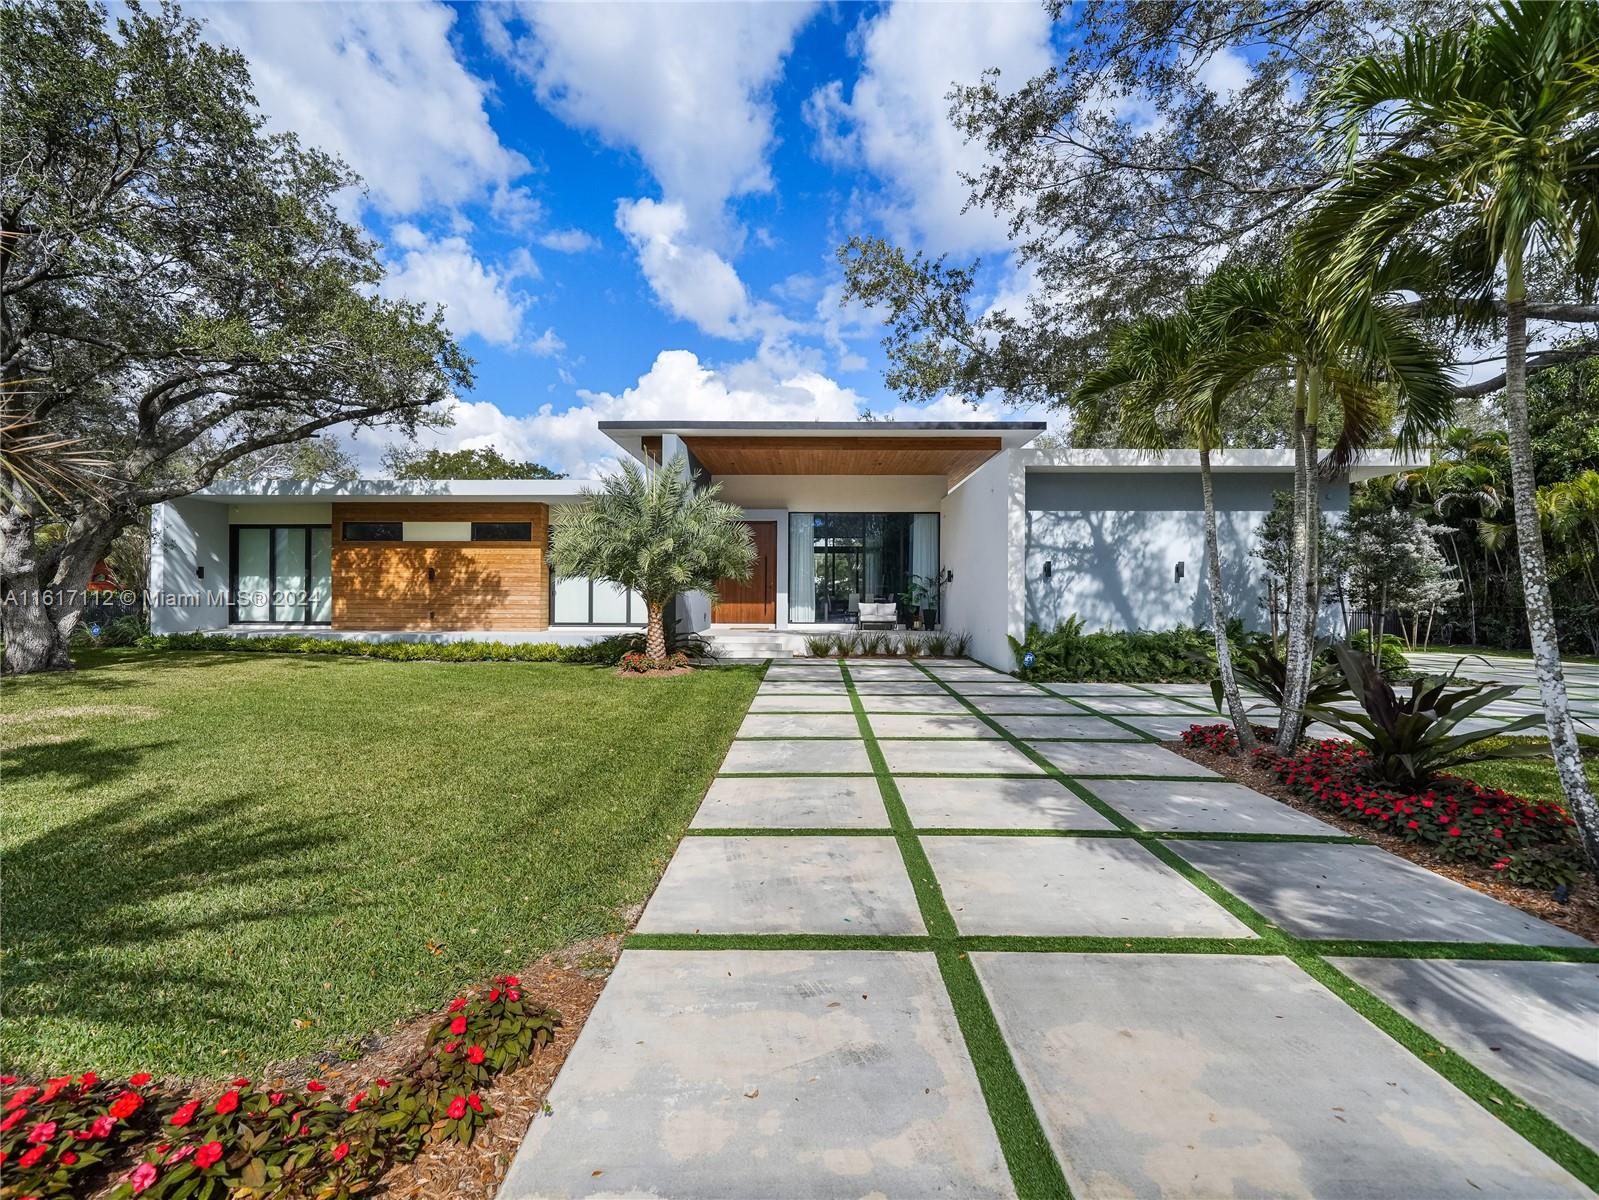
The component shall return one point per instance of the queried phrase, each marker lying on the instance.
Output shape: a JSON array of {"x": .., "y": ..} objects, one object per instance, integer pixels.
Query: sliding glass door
[
  {"x": 839, "y": 560},
  {"x": 282, "y": 573}
]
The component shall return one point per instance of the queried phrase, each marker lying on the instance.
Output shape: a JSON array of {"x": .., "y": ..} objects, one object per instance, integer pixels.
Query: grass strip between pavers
[
  {"x": 1034, "y": 1169},
  {"x": 1528, "y": 1121}
]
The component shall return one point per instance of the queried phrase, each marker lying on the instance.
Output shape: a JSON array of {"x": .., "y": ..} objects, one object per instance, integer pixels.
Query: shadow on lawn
[
  {"x": 79, "y": 763},
  {"x": 139, "y": 876}
]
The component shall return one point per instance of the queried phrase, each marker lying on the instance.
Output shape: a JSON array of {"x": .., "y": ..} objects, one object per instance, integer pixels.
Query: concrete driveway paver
[
  {"x": 811, "y": 687},
  {"x": 999, "y": 687},
  {"x": 1118, "y": 705},
  {"x": 1040, "y": 803},
  {"x": 843, "y": 803},
  {"x": 715, "y": 1075},
  {"x": 925, "y": 687},
  {"x": 767, "y": 703},
  {"x": 1169, "y": 728},
  {"x": 801, "y": 884},
  {"x": 783, "y": 725},
  {"x": 1078, "y": 726},
  {"x": 888, "y": 725},
  {"x": 796, "y": 758},
  {"x": 948, "y": 757},
  {"x": 942, "y": 705},
  {"x": 1223, "y": 1075},
  {"x": 1104, "y": 758},
  {"x": 1320, "y": 890},
  {"x": 1037, "y": 703},
  {"x": 1533, "y": 1025},
  {"x": 1070, "y": 887},
  {"x": 1095, "y": 689},
  {"x": 1205, "y": 807}
]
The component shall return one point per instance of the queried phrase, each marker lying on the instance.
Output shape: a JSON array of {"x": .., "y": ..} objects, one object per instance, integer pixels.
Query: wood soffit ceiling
[{"x": 953, "y": 457}]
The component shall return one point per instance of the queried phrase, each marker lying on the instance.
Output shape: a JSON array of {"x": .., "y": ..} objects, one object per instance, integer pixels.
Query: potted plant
[{"x": 921, "y": 594}]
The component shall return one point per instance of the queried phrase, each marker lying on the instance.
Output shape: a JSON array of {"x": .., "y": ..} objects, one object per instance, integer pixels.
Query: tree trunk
[
  {"x": 42, "y": 596},
  {"x": 1541, "y": 630},
  {"x": 1290, "y": 718},
  {"x": 1218, "y": 609},
  {"x": 655, "y": 631}
]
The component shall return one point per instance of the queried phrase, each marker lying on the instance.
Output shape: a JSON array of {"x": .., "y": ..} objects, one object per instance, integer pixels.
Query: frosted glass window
[
  {"x": 322, "y": 575},
  {"x": 253, "y": 572},
  {"x": 610, "y": 604},
  {"x": 290, "y": 582},
  {"x": 572, "y": 601},
  {"x": 438, "y": 531}
]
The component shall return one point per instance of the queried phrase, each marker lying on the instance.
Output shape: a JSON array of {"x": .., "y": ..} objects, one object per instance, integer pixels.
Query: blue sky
[{"x": 631, "y": 210}]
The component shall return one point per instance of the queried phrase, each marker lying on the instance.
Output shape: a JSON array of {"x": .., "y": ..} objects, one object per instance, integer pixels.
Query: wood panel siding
[
  {"x": 952, "y": 457},
  {"x": 441, "y": 586},
  {"x": 752, "y": 601}
]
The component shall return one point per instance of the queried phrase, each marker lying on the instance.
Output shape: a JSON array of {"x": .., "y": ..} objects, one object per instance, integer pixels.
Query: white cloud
[
  {"x": 546, "y": 345},
  {"x": 477, "y": 298},
  {"x": 380, "y": 86},
  {"x": 678, "y": 386},
  {"x": 692, "y": 281},
  {"x": 1225, "y": 73},
  {"x": 686, "y": 86},
  {"x": 567, "y": 241},
  {"x": 895, "y": 120}
]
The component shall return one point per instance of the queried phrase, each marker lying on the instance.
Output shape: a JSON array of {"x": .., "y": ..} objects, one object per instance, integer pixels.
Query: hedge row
[{"x": 606, "y": 652}]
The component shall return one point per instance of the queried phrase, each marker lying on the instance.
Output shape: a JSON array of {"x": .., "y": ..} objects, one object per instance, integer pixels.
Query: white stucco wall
[
  {"x": 1113, "y": 542},
  {"x": 286, "y": 512},
  {"x": 984, "y": 554},
  {"x": 186, "y": 537}
]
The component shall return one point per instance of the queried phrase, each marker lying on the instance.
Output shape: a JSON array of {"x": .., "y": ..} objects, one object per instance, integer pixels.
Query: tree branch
[{"x": 1535, "y": 362}]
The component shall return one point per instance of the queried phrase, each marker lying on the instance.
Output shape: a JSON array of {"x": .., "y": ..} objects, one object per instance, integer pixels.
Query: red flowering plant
[
  {"x": 1533, "y": 843},
  {"x": 127, "y": 1138},
  {"x": 638, "y": 663},
  {"x": 56, "y": 1134}
]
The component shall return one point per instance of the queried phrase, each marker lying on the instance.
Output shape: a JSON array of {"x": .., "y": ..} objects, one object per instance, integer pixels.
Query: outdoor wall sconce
[
  {"x": 432, "y": 575},
  {"x": 1049, "y": 569},
  {"x": 1179, "y": 572},
  {"x": 199, "y": 572},
  {"x": 949, "y": 575}
]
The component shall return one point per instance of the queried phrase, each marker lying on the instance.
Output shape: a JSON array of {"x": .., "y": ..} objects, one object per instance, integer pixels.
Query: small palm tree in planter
[{"x": 652, "y": 532}]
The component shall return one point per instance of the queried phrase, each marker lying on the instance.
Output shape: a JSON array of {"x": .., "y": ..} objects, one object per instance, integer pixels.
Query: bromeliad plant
[
  {"x": 74, "y": 1136},
  {"x": 1258, "y": 665},
  {"x": 1413, "y": 738}
]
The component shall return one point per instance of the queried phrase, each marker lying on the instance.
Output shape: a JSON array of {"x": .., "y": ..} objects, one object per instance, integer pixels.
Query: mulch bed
[
  {"x": 1579, "y": 914},
  {"x": 569, "y": 981}
]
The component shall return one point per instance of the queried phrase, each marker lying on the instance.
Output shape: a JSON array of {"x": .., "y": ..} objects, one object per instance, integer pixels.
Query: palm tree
[
  {"x": 1488, "y": 144},
  {"x": 1365, "y": 360},
  {"x": 652, "y": 532},
  {"x": 1152, "y": 364}
]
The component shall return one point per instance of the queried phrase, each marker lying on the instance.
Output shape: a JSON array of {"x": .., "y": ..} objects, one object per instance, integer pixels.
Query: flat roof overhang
[
  {"x": 1371, "y": 465},
  {"x": 952, "y": 449},
  {"x": 273, "y": 491}
]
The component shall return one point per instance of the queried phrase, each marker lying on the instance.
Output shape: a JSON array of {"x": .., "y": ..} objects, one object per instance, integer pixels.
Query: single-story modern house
[{"x": 887, "y": 523}]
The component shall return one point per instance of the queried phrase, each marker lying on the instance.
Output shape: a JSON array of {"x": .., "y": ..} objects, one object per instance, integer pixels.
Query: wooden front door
[{"x": 754, "y": 601}]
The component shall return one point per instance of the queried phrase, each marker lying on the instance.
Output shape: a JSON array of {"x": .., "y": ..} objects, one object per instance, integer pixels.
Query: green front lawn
[
  {"x": 213, "y": 861},
  {"x": 1531, "y": 778}
]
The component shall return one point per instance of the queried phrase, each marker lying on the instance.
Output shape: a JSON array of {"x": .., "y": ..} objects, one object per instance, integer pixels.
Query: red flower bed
[
  {"x": 1457, "y": 818},
  {"x": 73, "y": 1135}
]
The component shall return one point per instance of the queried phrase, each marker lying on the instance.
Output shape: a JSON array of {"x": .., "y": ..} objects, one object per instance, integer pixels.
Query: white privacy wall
[
  {"x": 187, "y": 535},
  {"x": 982, "y": 544},
  {"x": 1113, "y": 541}
]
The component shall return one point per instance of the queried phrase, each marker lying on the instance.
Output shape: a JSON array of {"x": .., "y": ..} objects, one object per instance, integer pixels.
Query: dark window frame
[
  {"x": 856, "y": 553},
  {"x": 272, "y": 617},
  {"x": 346, "y": 526},
  {"x": 527, "y": 525}
]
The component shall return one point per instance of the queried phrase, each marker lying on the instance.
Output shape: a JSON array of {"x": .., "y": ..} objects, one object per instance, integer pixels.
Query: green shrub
[
  {"x": 1393, "y": 660},
  {"x": 605, "y": 652},
  {"x": 1070, "y": 654}
]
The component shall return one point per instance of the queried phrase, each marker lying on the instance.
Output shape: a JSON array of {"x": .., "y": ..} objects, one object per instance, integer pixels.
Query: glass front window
[{"x": 838, "y": 560}]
